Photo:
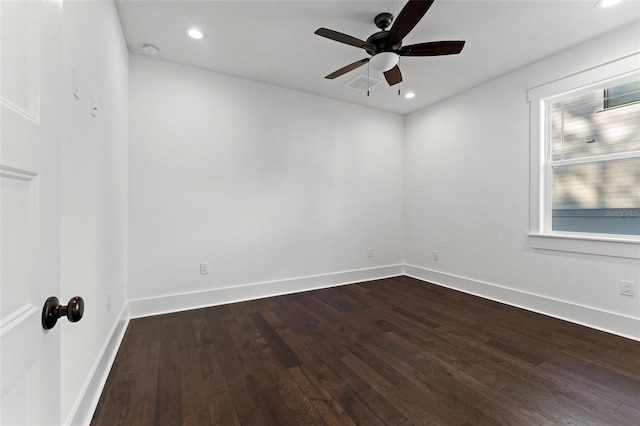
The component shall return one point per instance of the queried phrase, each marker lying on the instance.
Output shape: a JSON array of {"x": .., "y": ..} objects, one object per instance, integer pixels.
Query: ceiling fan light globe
[{"x": 384, "y": 61}]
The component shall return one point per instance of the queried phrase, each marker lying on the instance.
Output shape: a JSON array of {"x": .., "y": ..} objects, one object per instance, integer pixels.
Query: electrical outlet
[
  {"x": 370, "y": 252},
  {"x": 204, "y": 268},
  {"x": 435, "y": 254},
  {"x": 626, "y": 288}
]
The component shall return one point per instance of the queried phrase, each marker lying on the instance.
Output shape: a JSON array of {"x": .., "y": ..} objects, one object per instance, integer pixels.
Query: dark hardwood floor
[{"x": 395, "y": 352}]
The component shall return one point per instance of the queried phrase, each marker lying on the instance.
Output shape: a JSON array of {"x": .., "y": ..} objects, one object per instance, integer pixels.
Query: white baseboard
[
  {"x": 86, "y": 404},
  {"x": 219, "y": 296},
  {"x": 610, "y": 322}
]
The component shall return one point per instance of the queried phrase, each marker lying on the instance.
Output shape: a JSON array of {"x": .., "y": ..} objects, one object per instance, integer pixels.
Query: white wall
[
  {"x": 94, "y": 194},
  {"x": 467, "y": 196},
  {"x": 265, "y": 184}
]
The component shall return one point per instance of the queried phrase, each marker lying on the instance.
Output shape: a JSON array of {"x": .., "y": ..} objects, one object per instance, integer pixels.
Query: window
[
  {"x": 593, "y": 160},
  {"x": 586, "y": 161}
]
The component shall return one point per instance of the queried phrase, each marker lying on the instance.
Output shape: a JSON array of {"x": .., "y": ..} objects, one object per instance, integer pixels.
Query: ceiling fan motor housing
[{"x": 382, "y": 41}]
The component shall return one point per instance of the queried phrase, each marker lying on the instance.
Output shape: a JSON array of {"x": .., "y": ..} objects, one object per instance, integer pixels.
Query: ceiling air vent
[{"x": 359, "y": 82}]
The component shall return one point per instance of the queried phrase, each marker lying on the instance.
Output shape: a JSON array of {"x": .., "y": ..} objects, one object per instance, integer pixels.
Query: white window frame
[{"x": 540, "y": 235}]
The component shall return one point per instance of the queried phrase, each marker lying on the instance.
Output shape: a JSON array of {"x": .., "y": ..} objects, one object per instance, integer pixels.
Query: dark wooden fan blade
[
  {"x": 348, "y": 68},
  {"x": 409, "y": 16},
  {"x": 393, "y": 76},
  {"x": 340, "y": 37},
  {"x": 433, "y": 48}
]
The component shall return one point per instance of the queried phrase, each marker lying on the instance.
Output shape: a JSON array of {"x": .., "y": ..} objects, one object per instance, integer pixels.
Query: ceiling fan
[{"x": 385, "y": 47}]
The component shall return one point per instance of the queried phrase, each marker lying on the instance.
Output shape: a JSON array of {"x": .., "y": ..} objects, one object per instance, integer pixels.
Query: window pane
[
  {"x": 581, "y": 127},
  {"x": 601, "y": 197},
  {"x": 621, "y": 95}
]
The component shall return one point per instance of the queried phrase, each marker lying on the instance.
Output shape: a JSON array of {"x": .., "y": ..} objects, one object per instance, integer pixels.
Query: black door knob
[{"x": 52, "y": 310}]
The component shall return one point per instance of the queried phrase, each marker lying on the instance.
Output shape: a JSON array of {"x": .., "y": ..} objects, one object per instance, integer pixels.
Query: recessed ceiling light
[
  {"x": 409, "y": 95},
  {"x": 195, "y": 33},
  {"x": 607, "y": 3}
]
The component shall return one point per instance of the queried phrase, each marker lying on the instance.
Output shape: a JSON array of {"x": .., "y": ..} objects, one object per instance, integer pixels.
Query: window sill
[{"x": 599, "y": 245}]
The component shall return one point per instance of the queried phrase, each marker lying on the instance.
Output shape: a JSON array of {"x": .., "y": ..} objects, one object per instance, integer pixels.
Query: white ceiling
[{"x": 273, "y": 41}]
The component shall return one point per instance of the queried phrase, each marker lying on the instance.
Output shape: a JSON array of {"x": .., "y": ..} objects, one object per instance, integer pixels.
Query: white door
[{"x": 31, "y": 44}]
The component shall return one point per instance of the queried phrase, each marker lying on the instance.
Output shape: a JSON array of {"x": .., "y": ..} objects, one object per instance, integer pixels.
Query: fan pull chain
[
  {"x": 400, "y": 84},
  {"x": 368, "y": 79}
]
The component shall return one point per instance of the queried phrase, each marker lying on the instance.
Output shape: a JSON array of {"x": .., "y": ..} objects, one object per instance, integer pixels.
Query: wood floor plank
[
  {"x": 364, "y": 403},
  {"x": 192, "y": 386},
  {"x": 220, "y": 403},
  {"x": 402, "y": 399},
  {"x": 145, "y": 386},
  {"x": 631, "y": 399},
  {"x": 169, "y": 394},
  {"x": 283, "y": 352},
  {"x": 395, "y": 351},
  {"x": 247, "y": 410},
  {"x": 296, "y": 400},
  {"x": 411, "y": 383},
  {"x": 329, "y": 410}
]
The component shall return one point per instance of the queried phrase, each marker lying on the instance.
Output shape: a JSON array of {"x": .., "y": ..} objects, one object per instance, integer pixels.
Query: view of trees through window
[{"x": 594, "y": 160}]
